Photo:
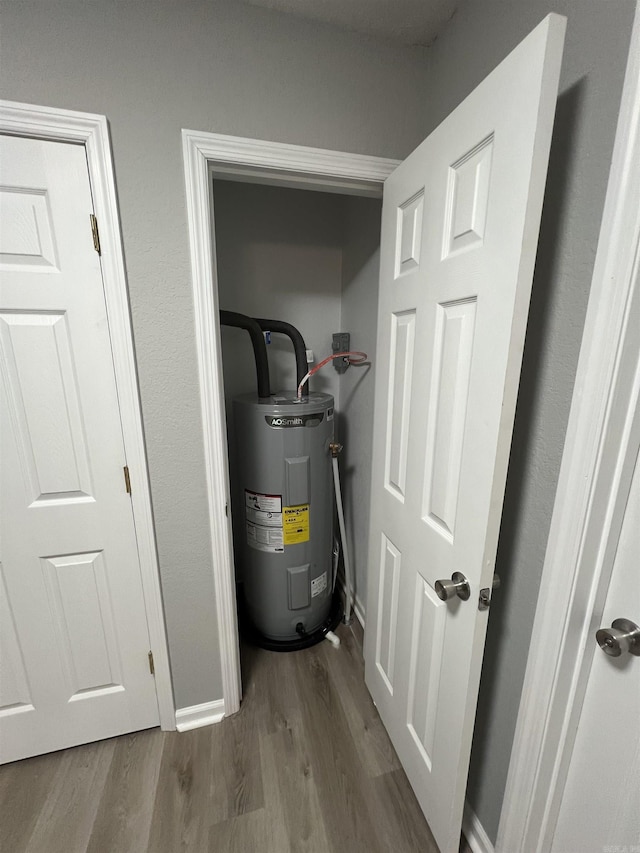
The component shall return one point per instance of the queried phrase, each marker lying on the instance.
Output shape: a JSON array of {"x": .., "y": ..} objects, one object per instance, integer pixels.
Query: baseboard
[
  {"x": 196, "y": 716},
  {"x": 358, "y": 609},
  {"x": 474, "y": 832},
  {"x": 358, "y": 606}
]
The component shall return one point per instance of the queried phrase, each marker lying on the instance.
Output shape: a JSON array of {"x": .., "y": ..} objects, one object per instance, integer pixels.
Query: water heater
[{"x": 283, "y": 512}]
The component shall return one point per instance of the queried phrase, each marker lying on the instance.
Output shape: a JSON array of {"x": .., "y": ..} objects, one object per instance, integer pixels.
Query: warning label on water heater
[
  {"x": 264, "y": 538},
  {"x": 263, "y": 515},
  {"x": 262, "y": 503},
  {"x": 295, "y": 521},
  {"x": 318, "y": 585},
  {"x": 270, "y": 526}
]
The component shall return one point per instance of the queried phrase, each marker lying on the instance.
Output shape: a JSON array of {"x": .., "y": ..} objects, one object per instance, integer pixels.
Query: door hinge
[
  {"x": 152, "y": 668},
  {"x": 94, "y": 233},
  {"x": 127, "y": 479}
]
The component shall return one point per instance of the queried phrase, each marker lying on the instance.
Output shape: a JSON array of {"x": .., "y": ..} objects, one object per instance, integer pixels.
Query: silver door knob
[
  {"x": 623, "y": 636},
  {"x": 458, "y": 585}
]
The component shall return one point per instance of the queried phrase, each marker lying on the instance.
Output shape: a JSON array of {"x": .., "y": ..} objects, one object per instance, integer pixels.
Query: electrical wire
[{"x": 353, "y": 357}]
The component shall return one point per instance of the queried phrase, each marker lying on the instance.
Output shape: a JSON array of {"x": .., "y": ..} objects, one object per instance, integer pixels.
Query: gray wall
[
  {"x": 153, "y": 68},
  {"x": 481, "y": 33},
  {"x": 360, "y": 271},
  {"x": 279, "y": 254}
]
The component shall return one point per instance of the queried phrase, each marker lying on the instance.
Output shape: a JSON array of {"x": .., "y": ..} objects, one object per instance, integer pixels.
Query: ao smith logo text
[{"x": 284, "y": 421}]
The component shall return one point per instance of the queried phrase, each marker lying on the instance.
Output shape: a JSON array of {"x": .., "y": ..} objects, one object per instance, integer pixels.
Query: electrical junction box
[{"x": 341, "y": 343}]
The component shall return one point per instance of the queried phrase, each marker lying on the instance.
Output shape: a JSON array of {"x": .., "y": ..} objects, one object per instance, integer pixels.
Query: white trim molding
[
  {"x": 206, "y": 154},
  {"x": 474, "y": 832},
  {"x": 358, "y": 606},
  {"x": 92, "y": 131},
  {"x": 196, "y": 716},
  {"x": 602, "y": 442}
]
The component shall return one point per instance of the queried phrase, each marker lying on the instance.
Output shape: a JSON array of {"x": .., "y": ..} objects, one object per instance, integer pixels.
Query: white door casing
[
  {"x": 459, "y": 235},
  {"x": 204, "y": 155},
  {"x": 74, "y": 628}
]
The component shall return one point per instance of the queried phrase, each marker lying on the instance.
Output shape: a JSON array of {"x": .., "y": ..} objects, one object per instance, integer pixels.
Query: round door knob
[
  {"x": 457, "y": 586},
  {"x": 623, "y": 636}
]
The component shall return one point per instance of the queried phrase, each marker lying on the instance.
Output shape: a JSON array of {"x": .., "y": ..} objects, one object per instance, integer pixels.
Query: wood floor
[{"x": 305, "y": 766}]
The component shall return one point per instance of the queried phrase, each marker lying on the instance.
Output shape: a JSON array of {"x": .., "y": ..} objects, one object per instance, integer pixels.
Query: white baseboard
[
  {"x": 196, "y": 716},
  {"x": 358, "y": 609},
  {"x": 474, "y": 832},
  {"x": 358, "y": 606}
]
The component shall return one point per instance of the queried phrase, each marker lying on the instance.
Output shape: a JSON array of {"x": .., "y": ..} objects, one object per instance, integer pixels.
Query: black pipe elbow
[
  {"x": 299, "y": 346},
  {"x": 241, "y": 321}
]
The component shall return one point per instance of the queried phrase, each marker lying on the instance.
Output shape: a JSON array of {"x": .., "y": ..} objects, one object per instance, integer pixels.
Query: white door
[
  {"x": 74, "y": 641},
  {"x": 459, "y": 233},
  {"x": 600, "y": 809}
]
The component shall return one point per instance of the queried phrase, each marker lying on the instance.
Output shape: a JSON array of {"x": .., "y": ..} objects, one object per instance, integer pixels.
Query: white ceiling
[{"x": 411, "y": 22}]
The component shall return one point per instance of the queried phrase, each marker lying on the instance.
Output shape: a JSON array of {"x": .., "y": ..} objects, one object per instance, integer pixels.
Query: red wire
[
  {"x": 354, "y": 357},
  {"x": 361, "y": 356}
]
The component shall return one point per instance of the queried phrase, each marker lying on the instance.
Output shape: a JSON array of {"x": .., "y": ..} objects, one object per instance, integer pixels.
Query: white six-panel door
[
  {"x": 74, "y": 641},
  {"x": 459, "y": 233}
]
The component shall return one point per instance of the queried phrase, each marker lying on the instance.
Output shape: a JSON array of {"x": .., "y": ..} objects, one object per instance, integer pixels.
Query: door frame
[
  {"x": 601, "y": 444},
  {"x": 92, "y": 131},
  {"x": 205, "y": 156}
]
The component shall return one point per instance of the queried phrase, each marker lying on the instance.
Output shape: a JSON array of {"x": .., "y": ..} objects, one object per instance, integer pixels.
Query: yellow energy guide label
[{"x": 295, "y": 524}]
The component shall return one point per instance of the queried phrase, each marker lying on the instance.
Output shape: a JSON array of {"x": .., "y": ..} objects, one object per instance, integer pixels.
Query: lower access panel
[{"x": 298, "y": 578}]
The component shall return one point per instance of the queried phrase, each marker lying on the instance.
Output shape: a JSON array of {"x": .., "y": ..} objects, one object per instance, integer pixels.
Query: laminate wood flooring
[{"x": 305, "y": 767}]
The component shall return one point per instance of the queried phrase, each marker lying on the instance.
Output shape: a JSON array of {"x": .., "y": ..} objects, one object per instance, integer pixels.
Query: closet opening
[{"x": 308, "y": 257}]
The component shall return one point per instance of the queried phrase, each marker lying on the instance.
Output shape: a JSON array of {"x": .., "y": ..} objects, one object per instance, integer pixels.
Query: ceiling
[{"x": 410, "y": 22}]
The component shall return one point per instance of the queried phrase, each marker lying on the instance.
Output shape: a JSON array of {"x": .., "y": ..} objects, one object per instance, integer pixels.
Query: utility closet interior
[{"x": 309, "y": 258}]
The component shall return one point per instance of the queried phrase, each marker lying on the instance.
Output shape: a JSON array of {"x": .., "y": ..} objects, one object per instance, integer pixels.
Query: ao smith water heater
[{"x": 283, "y": 508}]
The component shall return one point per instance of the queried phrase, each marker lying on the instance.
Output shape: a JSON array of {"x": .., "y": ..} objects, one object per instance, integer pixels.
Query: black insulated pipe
[
  {"x": 299, "y": 346},
  {"x": 241, "y": 321}
]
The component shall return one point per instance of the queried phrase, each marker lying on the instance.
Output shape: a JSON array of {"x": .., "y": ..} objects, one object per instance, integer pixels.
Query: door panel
[
  {"x": 467, "y": 199},
  {"x": 27, "y": 238},
  {"x": 424, "y": 672},
  {"x": 449, "y": 392},
  {"x": 75, "y": 644},
  {"x": 390, "y": 560},
  {"x": 15, "y": 693},
  {"x": 401, "y": 360},
  {"x": 78, "y": 591},
  {"x": 40, "y": 375},
  {"x": 459, "y": 230}
]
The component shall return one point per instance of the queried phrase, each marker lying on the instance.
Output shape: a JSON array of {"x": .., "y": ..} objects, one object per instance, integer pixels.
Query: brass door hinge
[
  {"x": 94, "y": 233},
  {"x": 127, "y": 479},
  {"x": 152, "y": 668}
]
